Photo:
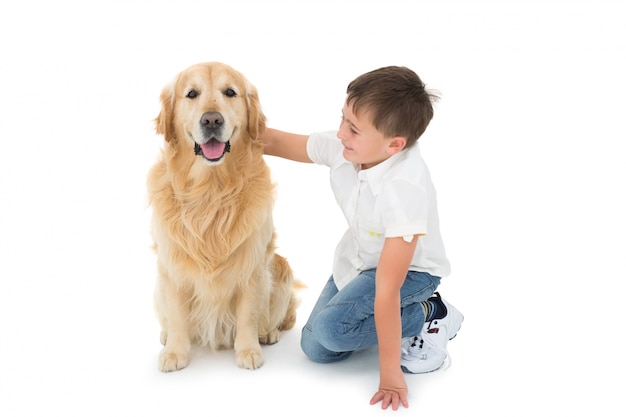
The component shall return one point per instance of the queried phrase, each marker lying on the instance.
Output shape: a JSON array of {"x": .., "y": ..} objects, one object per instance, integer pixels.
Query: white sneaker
[{"x": 427, "y": 351}]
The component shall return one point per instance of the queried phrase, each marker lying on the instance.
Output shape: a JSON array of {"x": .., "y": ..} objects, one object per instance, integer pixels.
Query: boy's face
[{"x": 363, "y": 144}]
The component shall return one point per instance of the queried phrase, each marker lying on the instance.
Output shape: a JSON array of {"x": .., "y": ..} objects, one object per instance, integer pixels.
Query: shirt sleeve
[
  {"x": 405, "y": 209},
  {"x": 324, "y": 148}
]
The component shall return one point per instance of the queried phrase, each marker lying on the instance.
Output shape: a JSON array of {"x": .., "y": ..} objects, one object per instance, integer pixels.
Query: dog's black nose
[{"x": 212, "y": 119}]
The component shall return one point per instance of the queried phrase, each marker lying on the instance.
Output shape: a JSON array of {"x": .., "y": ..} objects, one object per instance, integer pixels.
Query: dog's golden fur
[{"x": 220, "y": 283}]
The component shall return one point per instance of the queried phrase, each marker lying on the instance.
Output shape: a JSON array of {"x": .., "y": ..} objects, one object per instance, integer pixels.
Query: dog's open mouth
[{"x": 213, "y": 150}]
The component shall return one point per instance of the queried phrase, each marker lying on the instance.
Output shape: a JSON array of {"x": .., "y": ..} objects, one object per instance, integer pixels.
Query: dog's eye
[
  {"x": 192, "y": 94},
  {"x": 229, "y": 92}
]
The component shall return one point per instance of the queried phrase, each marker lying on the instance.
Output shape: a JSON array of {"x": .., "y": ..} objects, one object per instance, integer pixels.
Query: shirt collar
[{"x": 374, "y": 176}]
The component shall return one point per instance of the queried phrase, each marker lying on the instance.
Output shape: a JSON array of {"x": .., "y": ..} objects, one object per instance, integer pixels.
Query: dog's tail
[{"x": 284, "y": 279}]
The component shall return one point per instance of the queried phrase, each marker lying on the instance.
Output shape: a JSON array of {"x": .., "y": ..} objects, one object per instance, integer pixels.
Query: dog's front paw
[
  {"x": 270, "y": 338},
  {"x": 172, "y": 361},
  {"x": 249, "y": 358}
]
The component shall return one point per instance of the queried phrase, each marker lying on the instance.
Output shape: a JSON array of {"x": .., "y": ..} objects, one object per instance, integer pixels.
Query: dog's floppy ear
[
  {"x": 164, "y": 121},
  {"x": 256, "y": 118}
]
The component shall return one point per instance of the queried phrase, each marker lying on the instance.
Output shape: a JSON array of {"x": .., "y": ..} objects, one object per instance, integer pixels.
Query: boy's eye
[{"x": 343, "y": 120}]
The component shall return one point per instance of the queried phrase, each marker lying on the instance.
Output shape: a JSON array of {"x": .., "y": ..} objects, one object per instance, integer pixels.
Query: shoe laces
[{"x": 418, "y": 347}]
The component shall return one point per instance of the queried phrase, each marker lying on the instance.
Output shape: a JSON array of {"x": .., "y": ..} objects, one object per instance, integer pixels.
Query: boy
[{"x": 391, "y": 258}]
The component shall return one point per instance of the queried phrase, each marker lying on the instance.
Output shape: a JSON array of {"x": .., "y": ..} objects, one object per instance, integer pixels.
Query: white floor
[{"x": 526, "y": 150}]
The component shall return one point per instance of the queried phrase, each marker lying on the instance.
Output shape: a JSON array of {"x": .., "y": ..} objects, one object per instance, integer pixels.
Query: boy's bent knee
[{"x": 315, "y": 351}]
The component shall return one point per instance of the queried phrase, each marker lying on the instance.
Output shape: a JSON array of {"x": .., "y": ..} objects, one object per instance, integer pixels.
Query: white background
[{"x": 526, "y": 151}]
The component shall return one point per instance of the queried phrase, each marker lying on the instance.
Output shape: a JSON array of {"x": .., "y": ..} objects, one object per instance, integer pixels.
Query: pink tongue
[{"x": 213, "y": 149}]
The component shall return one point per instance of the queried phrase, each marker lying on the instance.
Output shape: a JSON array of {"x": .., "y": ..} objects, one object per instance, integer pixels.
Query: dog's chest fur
[{"x": 200, "y": 224}]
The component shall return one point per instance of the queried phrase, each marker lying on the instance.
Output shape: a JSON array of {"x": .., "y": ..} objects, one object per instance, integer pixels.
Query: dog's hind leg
[{"x": 285, "y": 298}]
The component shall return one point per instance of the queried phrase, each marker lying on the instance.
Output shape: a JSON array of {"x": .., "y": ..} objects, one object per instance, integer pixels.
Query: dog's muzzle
[
  {"x": 207, "y": 151},
  {"x": 212, "y": 125}
]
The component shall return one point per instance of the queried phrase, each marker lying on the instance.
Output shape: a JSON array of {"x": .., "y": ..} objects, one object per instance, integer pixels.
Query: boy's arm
[
  {"x": 285, "y": 145},
  {"x": 391, "y": 271}
]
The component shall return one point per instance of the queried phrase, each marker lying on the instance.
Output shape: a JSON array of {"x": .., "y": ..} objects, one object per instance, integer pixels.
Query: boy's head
[{"x": 395, "y": 100}]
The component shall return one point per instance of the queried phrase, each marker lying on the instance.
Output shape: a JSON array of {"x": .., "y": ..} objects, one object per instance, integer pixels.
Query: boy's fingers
[{"x": 388, "y": 398}]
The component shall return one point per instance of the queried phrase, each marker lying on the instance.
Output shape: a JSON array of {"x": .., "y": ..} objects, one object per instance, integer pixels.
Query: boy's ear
[{"x": 396, "y": 145}]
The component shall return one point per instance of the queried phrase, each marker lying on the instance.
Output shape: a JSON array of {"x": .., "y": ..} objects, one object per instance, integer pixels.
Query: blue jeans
[{"x": 343, "y": 321}]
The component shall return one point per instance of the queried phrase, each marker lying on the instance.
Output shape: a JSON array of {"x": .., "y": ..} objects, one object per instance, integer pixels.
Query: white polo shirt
[{"x": 395, "y": 198}]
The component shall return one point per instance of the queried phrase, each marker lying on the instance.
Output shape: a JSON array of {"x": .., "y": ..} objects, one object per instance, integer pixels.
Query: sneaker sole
[{"x": 406, "y": 371}]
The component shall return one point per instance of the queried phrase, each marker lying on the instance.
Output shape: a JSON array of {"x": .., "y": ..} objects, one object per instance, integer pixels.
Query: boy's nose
[{"x": 340, "y": 134}]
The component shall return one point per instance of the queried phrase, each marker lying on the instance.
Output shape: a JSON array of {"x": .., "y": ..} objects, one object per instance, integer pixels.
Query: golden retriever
[{"x": 220, "y": 284}]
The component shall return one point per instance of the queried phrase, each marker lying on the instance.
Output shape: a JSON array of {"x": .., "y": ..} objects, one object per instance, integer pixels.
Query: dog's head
[{"x": 208, "y": 109}]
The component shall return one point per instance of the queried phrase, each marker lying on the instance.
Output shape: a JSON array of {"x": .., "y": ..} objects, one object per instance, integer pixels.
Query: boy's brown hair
[{"x": 395, "y": 99}]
